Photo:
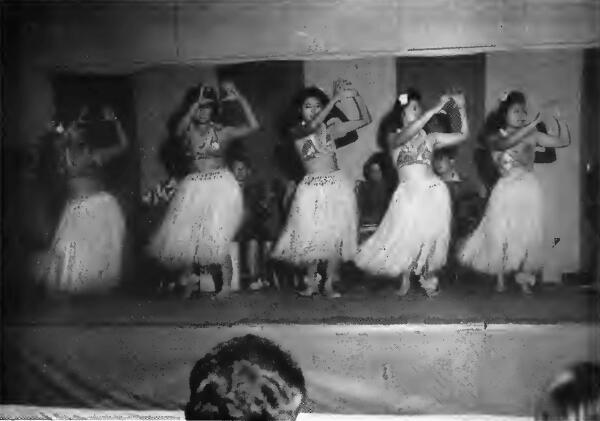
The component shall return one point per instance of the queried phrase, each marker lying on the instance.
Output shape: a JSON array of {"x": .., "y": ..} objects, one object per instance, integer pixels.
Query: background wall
[
  {"x": 551, "y": 80},
  {"x": 375, "y": 79},
  {"x": 170, "y": 31}
]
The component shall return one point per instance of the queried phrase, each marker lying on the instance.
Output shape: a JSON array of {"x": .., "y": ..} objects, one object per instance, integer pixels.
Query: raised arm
[
  {"x": 251, "y": 124},
  {"x": 340, "y": 129},
  {"x": 408, "y": 132},
  {"x": 449, "y": 139},
  {"x": 186, "y": 120},
  {"x": 502, "y": 142},
  {"x": 562, "y": 140},
  {"x": 106, "y": 154}
]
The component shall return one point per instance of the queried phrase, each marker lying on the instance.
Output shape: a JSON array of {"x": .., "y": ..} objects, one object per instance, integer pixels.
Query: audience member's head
[
  {"x": 246, "y": 378},
  {"x": 573, "y": 394},
  {"x": 240, "y": 167},
  {"x": 444, "y": 161},
  {"x": 373, "y": 168}
]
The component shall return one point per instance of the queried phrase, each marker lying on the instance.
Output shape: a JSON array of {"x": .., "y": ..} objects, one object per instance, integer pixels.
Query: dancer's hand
[
  {"x": 108, "y": 113},
  {"x": 443, "y": 101},
  {"x": 536, "y": 120},
  {"x": 459, "y": 99},
  {"x": 230, "y": 90},
  {"x": 343, "y": 88}
]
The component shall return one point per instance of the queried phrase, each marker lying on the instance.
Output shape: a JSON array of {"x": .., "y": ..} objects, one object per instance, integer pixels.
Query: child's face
[
  {"x": 203, "y": 114},
  {"x": 516, "y": 116},
  {"x": 311, "y": 108},
  {"x": 375, "y": 173},
  {"x": 442, "y": 165},
  {"x": 240, "y": 171},
  {"x": 411, "y": 112}
]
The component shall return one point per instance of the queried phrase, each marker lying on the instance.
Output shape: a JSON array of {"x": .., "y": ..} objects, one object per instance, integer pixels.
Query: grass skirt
[
  {"x": 510, "y": 235},
  {"x": 414, "y": 233},
  {"x": 322, "y": 223},
  {"x": 87, "y": 251},
  {"x": 200, "y": 222}
]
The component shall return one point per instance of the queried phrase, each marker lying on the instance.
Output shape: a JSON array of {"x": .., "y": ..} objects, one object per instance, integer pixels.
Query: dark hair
[
  {"x": 236, "y": 152},
  {"x": 294, "y": 114},
  {"x": 577, "y": 387},
  {"x": 398, "y": 110},
  {"x": 392, "y": 120},
  {"x": 496, "y": 120},
  {"x": 450, "y": 153},
  {"x": 214, "y": 384}
]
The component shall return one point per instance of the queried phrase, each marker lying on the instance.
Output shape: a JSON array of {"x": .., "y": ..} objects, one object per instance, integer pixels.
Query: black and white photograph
[{"x": 325, "y": 210}]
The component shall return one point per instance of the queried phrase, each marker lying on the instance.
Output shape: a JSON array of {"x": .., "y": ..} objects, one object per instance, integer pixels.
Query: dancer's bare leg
[
  {"x": 189, "y": 281},
  {"x": 333, "y": 276},
  {"x": 500, "y": 283},
  {"x": 252, "y": 258},
  {"x": 231, "y": 268},
  {"x": 430, "y": 284},
  {"x": 404, "y": 285},
  {"x": 221, "y": 287},
  {"x": 266, "y": 267}
]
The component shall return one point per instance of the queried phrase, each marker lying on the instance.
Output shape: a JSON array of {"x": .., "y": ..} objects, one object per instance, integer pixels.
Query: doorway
[
  {"x": 269, "y": 87},
  {"x": 590, "y": 166}
]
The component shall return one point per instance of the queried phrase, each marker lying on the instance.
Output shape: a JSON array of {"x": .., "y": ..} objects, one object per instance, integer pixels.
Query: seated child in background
[
  {"x": 263, "y": 217},
  {"x": 572, "y": 395},
  {"x": 246, "y": 378},
  {"x": 374, "y": 193}
]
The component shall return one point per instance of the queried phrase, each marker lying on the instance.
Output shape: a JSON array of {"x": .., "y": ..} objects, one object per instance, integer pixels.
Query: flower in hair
[
  {"x": 504, "y": 96},
  {"x": 403, "y": 99},
  {"x": 59, "y": 128}
]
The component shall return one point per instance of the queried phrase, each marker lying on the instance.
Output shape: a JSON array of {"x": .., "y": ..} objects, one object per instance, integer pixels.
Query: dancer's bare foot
[
  {"x": 328, "y": 290},
  {"x": 188, "y": 290},
  {"x": 332, "y": 294},
  {"x": 526, "y": 289},
  {"x": 525, "y": 281},
  {"x": 404, "y": 287},
  {"x": 312, "y": 286},
  {"x": 223, "y": 294},
  {"x": 257, "y": 285},
  {"x": 308, "y": 292},
  {"x": 431, "y": 285}
]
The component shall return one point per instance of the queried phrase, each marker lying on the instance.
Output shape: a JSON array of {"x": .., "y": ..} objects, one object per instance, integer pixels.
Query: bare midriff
[
  {"x": 207, "y": 164},
  {"x": 84, "y": 185},
  {"x": 324, "y": 163},
  {"x": 414, "y": 171}
]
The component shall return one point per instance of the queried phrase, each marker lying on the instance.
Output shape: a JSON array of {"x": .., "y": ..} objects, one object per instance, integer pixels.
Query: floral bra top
[
  {"x": 415, "y": 151},
  {"x": 317, "y": 144},
  {"x": 521, "y": 156},
  {"x": 205, "y": 145}
]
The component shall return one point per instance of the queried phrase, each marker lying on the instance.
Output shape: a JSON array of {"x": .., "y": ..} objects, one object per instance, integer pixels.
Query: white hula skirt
[
  {"x": 201, "y": 221},
  {"x": 322, "y": 223},
  {"x": 510, "y": 235},
  {"x": 87, "y": 251},
  {"x": 414, "y": 233}
]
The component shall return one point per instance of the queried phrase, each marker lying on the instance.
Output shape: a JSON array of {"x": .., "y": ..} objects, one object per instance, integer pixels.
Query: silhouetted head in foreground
[
  {"x": 246, "y": 378},
  {"x": 572, "y": 395}
]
